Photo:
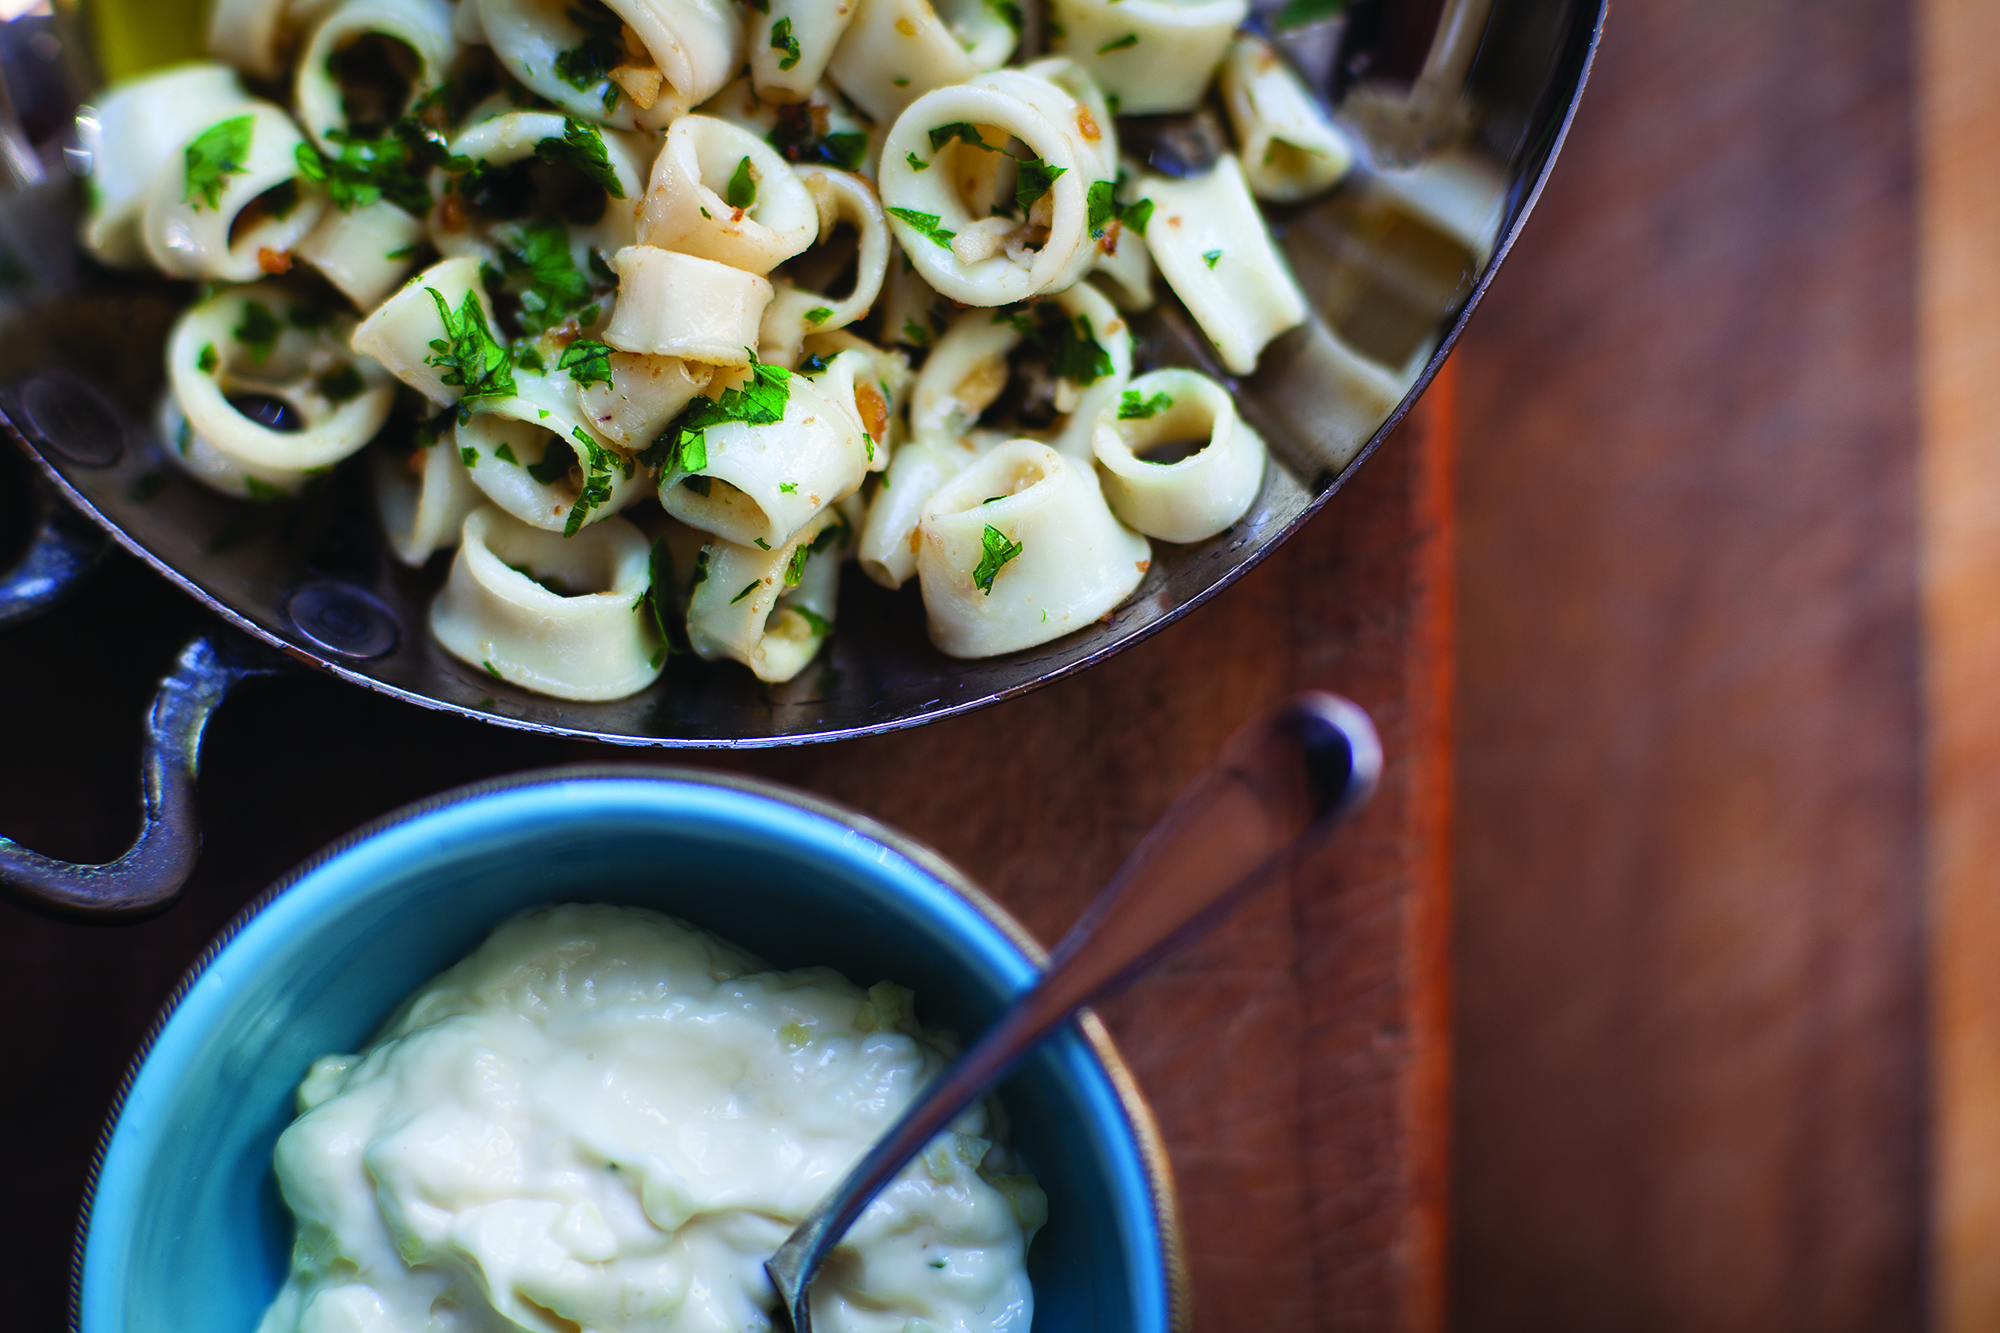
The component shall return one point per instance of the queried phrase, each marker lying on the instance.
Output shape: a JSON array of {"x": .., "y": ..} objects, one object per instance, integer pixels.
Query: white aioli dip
[{"x": 606, "y": 1120}]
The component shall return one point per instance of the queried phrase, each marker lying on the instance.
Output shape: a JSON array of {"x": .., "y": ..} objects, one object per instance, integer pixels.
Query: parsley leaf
[
  {"x": 748, "y": 588},
  {"x": 556, "y": 462},
  {"x": 1132, "y": 406},
  {"x": 542, "y": 271},
  {"x": 208, "y": 360},
  {"x": 742, "y": 189},
  {"x": 467, "y": 357},
  {"x": 1101, "y": 205},
  {"x": 339, "y": 386},
  {"x": 602, "y": 50},
  {"x": 817, "y": 623},
  {"x": 819, "y": 314},
  {"x": 700, "y": 569},
  {"x": 1033, "y": 181},
  {"x": 216, "y": 154},
  {"x": 760, "y": 402},
  {"x": 1299, "y": 13},
  {"x": 505, "y": 453},
  {"x": 587, "y": 361},
  {"x": 1125, "y": 43},
  {"x": 916, "y": 163},
  {"x": 998, "y": 551},
  {"x": 660, "y": 569},
  {"x": 596, "y": 484},
  {"x": 789, "y": 487},
  {"x": 1210, "y": 256},
  {"x": 365, "y": 170},
  {"x": 259, "y": 330},
  {"x": 1136, "y": 215},
  {"x": 801, "y": 136},
  {"x": 782, "y": 40},
  {"x": 963, "y": 130},
  {"x": 1072, "y": 348},
  {"x": 582, "y": 147},
  {"x": 915, "y": 334},
  {"x": 795, "y": 567},
  {"x": 926, "y": 224}
]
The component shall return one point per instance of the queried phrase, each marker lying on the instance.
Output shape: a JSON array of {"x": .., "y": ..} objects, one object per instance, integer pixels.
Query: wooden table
[{"x": 1297, "y": 1060}]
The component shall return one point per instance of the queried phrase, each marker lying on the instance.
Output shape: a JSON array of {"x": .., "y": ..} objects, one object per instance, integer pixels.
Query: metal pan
[{"x": 1462, "y": 105}]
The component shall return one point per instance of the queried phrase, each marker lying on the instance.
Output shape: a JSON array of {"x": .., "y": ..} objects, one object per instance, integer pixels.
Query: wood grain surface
[
  {"x": 1959, "y": 341},
  {"x": 1691, "y": 1090},
  {"x": 1297, "y": 1060}
]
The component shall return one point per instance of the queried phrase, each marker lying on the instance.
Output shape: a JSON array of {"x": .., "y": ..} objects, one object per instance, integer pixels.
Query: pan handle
[
  {"x": 64, "y": 549},
  {"x": 148, "y": 878}
]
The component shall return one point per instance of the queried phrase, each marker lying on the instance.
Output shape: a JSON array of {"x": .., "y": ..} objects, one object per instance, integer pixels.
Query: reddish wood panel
[
  {"x": 1297, "y": 1060},
  {"x": 1691, "y": 1089}
]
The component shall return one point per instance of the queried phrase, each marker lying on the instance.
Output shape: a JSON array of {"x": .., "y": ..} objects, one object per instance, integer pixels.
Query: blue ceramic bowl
[{"x": 185, "y": 1229}]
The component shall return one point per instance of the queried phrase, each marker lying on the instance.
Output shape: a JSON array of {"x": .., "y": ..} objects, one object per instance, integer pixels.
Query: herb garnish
[
  {"x": 1210, "y": 256},
  {"x": 1033, "y": 181},
  {"x": 587, "y": 361},
  {"x": 208, "y": 360},
  {"x": 467, "y": 357},
  {"x": 748, "y": 588},
  {"x": 760, "y": 402},
  {"x": 916, "y": 163},
  {"x": 1102, "y": 206},
  {"x": 795, "y": 567},
  {"x": 582, "y": 147},
  {"x": 1009, "y": 12},
  {"x": 998, "y": 551},
  {"x": 962, "y": 130},
  {"x": 1125, "y": 43},
  {"x": 338, "y": 386},
  {"x": 596, "y": 484},
  {"x": 214, "y": 156},
  {"x": 557, "y": 459},
  {"x": 782, "y": 40},
  {"x": 542, "y": 271},
  {"x": 819, "y": 314},
  {"x": 742, "y": 190},
  {"x": 1131, "y": 406},
  {"x": 801, "y": 136},
  {"x": 1073, "y": 350},
  {"x": 259, "y": 330},
  {"x": 602, "y": 50},
  {"x": 925, "y": 224},
  {"x": 817, "y": 623}
]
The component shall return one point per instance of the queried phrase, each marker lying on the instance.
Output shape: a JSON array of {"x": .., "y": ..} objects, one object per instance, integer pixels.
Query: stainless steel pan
[{"x": 1463, "y": 105}]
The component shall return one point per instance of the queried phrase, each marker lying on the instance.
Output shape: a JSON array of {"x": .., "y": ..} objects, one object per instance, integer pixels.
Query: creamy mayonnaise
[{"x": 604, "y": 1119}]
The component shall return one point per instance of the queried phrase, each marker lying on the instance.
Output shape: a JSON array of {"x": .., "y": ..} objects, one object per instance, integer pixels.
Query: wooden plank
[
  {"x": 1959, "y": 337},
  {"x": 1297, "y": 1060},
  {"x": 1691, "y": 1081}
]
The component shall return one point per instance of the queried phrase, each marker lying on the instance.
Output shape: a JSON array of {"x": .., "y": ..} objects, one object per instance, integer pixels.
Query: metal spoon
[{"x": 1276, "y": 791}]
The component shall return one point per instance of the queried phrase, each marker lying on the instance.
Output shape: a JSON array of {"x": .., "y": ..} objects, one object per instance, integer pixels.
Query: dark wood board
[
  {"x": 1296, "y": 1060},
  {"x": 1691, "y": 1079}
]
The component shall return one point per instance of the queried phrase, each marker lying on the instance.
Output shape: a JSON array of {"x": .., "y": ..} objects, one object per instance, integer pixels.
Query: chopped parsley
[
  {"x": 587, "y": 361},
  {"x": 468, "y": 455},
  {"x": 762, "y": 545},
  {"x": 338, "y": 386},
  {"x": 916, "y": 163},
  {"x": 998, "y": 551},
  {"x": 795, "y": 568},
  {"x": 1132, "y": 406},
  {"x": 208, "y": 360},
  {"x": 915, "y": 333},
  {"x": 700, "y": 569},
  {"x": 557, "y": 459},
  {"x": 760, "y": 402},
  {"x": 492, "y": 670},
  {"x": 925, "y": 224},
  {"x": 817, "y": 623},
  {"x": 1034, "y": 180},
  {"x": 582, "y": 147},
  {"x": 748, "y": 588},
  {"x": 660, "y": 569},
  {"x": 1299, "y": 13},
  {"x": 596, "y": 484},
  {"x": 1125, "y": 43},
  {"x": 801, "y": 136},
  {"x": 819, "y": 314},
  {"x": 467, "y": 357},
  {"x": 742, "y": 190},
  {"x": 964, "y": 131},
  {"x": 789, "y": 487},
  {"x": 259, "y": 330},
  {"x": 1136, "y": 215},
  {"x": 1210, "y": 256},
  {"x": 263, "y": 492},
  {"x": 542, "y": 271},
  {"x": 505, "y": 453},
  {"x": 1072, "y": 348},
  {"x": 1102, "y": 206},
  {"x": 602, "y": 50},
  {"x": 216, "y": 154},
  {"x": 365, "y": 170},
  {"x": 782, "y": 40}
]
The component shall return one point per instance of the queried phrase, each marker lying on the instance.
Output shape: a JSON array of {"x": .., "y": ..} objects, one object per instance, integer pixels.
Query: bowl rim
[{"x": 1144, "y": 1128}]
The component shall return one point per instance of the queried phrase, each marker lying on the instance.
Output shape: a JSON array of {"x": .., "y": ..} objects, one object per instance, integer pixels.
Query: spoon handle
[{"x": 1278, "y": 788}]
